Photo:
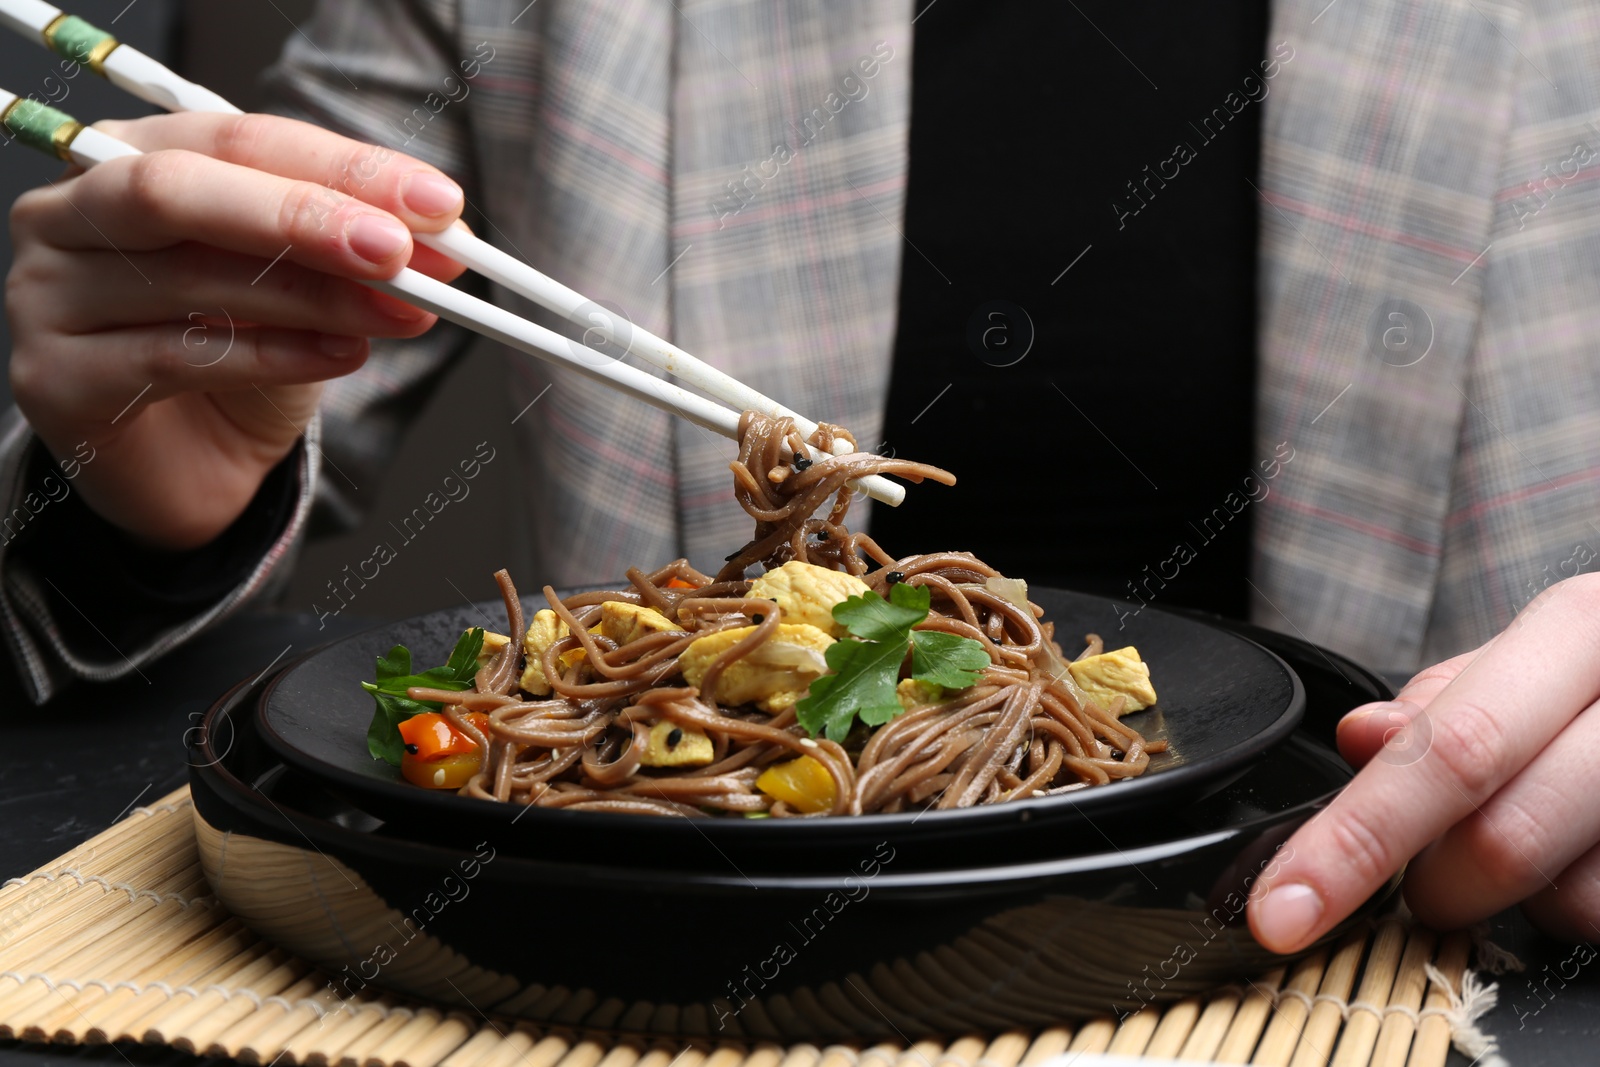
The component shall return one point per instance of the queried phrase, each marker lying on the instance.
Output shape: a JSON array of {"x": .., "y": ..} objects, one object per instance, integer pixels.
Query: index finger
[
  {"x": 1364, "y": 731},
  {"x": 1502, "y": 709},
  {"x": 420, "y": 195}
]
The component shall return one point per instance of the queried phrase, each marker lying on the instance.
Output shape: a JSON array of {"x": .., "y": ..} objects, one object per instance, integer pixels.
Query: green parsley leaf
[
  {"x": 862, "y": 682},
  {"x": 394, "y": 677},
  {"x": 873, "y": 618},
  {"x": 463, "y": 663},
  {"x": 949, "y": 660},
  {"x": 866, "y": 665}
]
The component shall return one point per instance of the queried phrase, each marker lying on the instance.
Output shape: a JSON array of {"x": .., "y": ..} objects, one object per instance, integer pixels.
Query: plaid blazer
[{"x": 731, "y": 174}]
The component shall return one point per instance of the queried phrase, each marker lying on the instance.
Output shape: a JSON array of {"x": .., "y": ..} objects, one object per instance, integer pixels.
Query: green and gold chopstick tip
[
  {"x": 40, "y": 126},
  {"x": 83, "y": 42}
]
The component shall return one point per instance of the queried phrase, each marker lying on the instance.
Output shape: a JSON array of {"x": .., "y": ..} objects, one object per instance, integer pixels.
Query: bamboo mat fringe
[{"x": 120, "y": 940}]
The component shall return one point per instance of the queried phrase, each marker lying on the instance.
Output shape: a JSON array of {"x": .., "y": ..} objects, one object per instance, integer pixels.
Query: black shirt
[{"x": 1077, "y": 301}]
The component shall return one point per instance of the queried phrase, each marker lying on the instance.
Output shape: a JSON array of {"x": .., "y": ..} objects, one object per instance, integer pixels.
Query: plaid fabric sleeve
[{"x": 52, "y": 638}]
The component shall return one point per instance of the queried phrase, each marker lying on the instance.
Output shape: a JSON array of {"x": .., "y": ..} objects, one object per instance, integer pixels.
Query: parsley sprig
[
  {"x": 395, "y": 677},
  {"x": 866, "y": 665}
]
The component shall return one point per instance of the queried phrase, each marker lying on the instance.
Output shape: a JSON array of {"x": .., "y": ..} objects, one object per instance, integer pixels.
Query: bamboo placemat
[{"x": 120, "y": 941}]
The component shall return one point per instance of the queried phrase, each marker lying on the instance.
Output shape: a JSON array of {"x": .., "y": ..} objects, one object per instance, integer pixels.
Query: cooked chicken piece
[
  {"x": 914, "y": 694},
  {"x": 492, "y": 644},
  {"x": 1115, "y": 674},
  {"x": 545, "y": 630},
  {"x": 624, "y": 622},
  {"x": 671, "y": 745},
  {"x": 807, "y": 593},
  {"x": 619, "y": 620},
  {"x": 773, "y": 676}
]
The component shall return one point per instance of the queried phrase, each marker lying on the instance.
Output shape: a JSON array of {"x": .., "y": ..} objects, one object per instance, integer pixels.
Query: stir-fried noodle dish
[{"x": 840, "y": 680}]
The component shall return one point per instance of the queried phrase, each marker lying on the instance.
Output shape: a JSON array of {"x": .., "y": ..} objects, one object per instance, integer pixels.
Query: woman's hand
[
  {"x": 177, "y": 312},
  {"x": 1484, "y": 770}
]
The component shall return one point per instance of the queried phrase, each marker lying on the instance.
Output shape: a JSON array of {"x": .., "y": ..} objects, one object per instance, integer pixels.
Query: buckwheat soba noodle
[{"x": 683, "y": 693}]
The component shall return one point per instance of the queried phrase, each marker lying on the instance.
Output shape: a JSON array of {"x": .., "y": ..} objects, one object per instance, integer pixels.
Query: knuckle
[
  {"x": 1502, "y": 846},
  {"x": 245, "y": 350},
  {"x": 1586, "y": 591},
  {"x": 1445, "y": 671},
  {"x": 22, "y": 280},
  {"x": 239, "y": 138},
  {"x": 27, "y": 381},
  {"x": 34, "y": 372},
  {"x": 163, "y": 357},
  {"x": 1578, "y": 596},
  {"x": 1359, "y": 845},
  {"x": 305, "y": 210},
  {"x": 314, "y": 289},
  {"x": 152, "y": 180},
  {"x": 1471, "y": 743},
  {"x": 32, "y": 293},
  {"x": 28, "y": 214}
]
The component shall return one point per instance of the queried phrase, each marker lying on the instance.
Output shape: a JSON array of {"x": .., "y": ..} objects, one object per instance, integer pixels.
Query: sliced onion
[
  {"x": 780, "y": 653},
  {"x": 1016, "y": 591}
]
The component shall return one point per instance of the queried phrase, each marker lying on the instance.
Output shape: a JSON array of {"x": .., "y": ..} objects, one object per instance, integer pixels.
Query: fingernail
[
  {"x": 376, "y": 238},
  {"x": 432, "y": 194},
  {"x": 1385, "y": 717},
  {"x": 339, "y": 347},
  {"x": 1366, "y": 711},
  {"x": 1287, "y": 915}
]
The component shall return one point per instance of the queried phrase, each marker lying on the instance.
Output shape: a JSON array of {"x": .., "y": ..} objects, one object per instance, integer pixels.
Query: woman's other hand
[{"x": 1481, "y": 774}]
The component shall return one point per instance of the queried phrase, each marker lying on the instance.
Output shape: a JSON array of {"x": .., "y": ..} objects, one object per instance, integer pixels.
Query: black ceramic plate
[
  {"x": 862, "y": 950},
  {"x": 1224, "y": 703}
]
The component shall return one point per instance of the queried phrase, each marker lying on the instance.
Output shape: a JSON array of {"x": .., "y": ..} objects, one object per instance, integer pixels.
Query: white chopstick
[
  {"x": 137, "y": 73},
  {"x": 123, "y": 65}
]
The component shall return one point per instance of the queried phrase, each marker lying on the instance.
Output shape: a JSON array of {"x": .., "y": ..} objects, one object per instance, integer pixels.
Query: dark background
[{"x": 225, "y": 47}]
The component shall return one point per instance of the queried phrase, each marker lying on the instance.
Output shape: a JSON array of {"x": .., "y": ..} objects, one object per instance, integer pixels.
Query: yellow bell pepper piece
[
  {"x": 804, "y": 784},
  {"x": 576, "y": 655}
]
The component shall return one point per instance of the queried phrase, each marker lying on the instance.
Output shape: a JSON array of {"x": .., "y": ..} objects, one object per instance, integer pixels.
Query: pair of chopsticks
[{"x": 129, "y": 69}]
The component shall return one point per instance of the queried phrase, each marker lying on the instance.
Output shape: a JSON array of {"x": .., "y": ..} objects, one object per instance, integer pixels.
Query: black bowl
[
  {"x": 1225, "y": 703},
  {"x": 865, "y": 950}
]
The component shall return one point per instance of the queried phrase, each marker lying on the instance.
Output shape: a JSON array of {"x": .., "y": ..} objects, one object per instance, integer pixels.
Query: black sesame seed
[
  {"x": 412, "y": 749},
  {"x": 756, "y": 618},
  {"x": 801, "y": 463},
  {"x": 822, "y": 535},
  {"x": 895, "y": 576},
  {"x": 674, "y": 737}
]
